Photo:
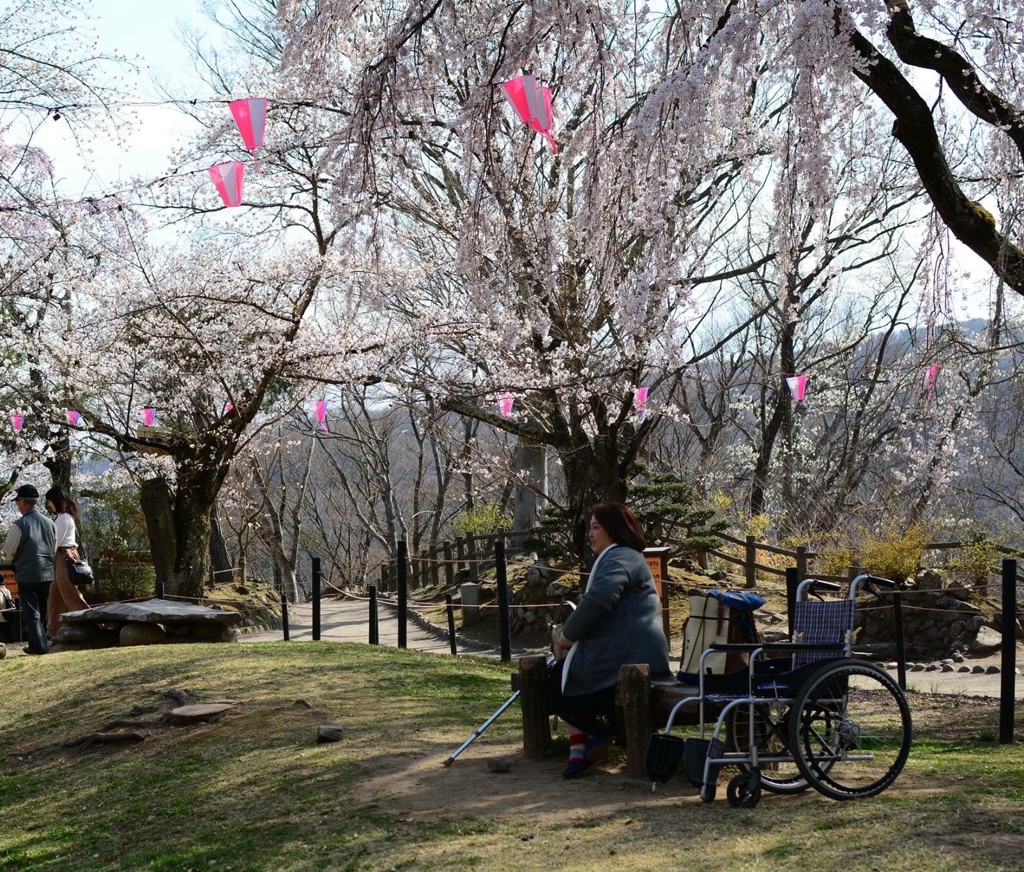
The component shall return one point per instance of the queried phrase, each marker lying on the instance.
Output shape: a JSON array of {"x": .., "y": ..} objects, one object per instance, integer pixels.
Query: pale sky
[{"x": 147, "y": 35}]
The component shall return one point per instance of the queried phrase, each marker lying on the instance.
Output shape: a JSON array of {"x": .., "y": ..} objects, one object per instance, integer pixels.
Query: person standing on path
[
  {"x": 30, "y": 545},
  {"x": 64, "y": 594}
]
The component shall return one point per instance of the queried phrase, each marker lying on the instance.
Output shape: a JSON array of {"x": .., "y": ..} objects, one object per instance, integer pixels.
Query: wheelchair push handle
[{"x": 871, "y": 583}]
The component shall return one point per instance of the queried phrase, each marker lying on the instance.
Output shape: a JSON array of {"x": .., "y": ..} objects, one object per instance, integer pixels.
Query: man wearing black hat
[{"x": 29, "y": 546}]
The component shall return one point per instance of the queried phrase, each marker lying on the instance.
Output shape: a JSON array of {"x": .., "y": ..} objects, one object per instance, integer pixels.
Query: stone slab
[{"x": 154, "y": 611}]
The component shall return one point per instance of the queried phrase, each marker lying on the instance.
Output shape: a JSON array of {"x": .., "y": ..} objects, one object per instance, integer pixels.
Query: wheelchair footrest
[{"x": 696, "y": 754}]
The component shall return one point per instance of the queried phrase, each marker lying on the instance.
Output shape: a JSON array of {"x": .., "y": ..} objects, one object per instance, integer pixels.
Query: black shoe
[{"x": 28, "y": 650}]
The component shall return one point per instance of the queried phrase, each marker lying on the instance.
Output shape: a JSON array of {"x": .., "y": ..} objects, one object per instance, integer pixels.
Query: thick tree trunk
[
  {"x": 593, "y": 473},
  {"x": 192, "y": 506},
  {"x": 528, "y": 497},
  {"x": 219, "y": 561}
]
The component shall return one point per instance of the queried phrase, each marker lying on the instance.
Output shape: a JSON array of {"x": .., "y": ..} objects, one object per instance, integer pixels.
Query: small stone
[
  {"x": 3, "y": 651},
  {"x": 993, "y": 670},
  {"x": 303, "y": 703},
  {"x": 964, "y": 668},
  {"x": 947, "y": 667},
  {"x": 978, "y": 670},
  {"x": 915, "y": 667},
  {"x": 932, "y": 667},
  {"x": 330, "y": 733},
  {"x": 200, "y": 711},
  {"x": 496, "y": 764},
  {"x": 958, "y": 657}
]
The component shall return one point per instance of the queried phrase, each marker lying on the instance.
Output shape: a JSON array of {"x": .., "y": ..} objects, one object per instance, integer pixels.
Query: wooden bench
[{"x": 643, "y": 704}]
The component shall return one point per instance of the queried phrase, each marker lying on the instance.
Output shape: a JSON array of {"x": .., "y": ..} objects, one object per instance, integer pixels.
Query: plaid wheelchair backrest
[{"x": 822, "y": 623}]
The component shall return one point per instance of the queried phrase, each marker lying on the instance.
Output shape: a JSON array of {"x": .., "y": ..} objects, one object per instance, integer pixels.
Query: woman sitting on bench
[{"x": 617, "y": 621}]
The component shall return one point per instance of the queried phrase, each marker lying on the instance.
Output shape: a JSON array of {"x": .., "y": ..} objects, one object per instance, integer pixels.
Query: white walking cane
[{"x": 483, "y": 727}]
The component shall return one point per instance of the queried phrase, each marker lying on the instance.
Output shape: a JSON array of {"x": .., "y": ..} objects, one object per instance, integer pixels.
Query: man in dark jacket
[{"x": 29, "y": 546}]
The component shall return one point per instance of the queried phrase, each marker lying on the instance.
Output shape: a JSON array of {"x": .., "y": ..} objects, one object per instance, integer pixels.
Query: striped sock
[{"x": 578, "y": 746}]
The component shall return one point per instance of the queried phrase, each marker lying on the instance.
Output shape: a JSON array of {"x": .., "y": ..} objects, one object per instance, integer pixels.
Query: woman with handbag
[{"x": 64, "y": 595}]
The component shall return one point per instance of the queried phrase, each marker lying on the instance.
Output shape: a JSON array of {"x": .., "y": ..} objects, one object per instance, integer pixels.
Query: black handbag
[{"x": 79, "y": 571}]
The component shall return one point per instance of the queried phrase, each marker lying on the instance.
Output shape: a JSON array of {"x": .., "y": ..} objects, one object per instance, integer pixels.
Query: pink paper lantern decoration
[
  {"x": 321, "y": 414},
  {"x": 931, "y": 376},
  {"x": 251, "y": 118},
  {"x": 17, "y": 421},
  {"x": 228, "y": 178},
  {"x": 797, "y": 386},
  {"x": 640, "y": 401},
  {"x": 532, "y": 103},
  {"x": 228, "y": 407},
  {"x": 73, "y": 418},
  {"x": 505, "y": 404},
  {"x": 149, "y": 416}
]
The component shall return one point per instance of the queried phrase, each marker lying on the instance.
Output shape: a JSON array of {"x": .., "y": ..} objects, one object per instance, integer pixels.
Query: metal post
[
  {"x": 503, "y": 616},
  {"x": 284, "y": 616},
  {"x": 450, "y": 608},
  {"x": 160, "y": 590},
  {"x": 316, "y": 599},
  {"x": 901, "y": 639},
  {"x": 792, "y": 582},
  {"x": 403, "y": 594},
  {"x": 1007, "y": 676},
  {"x": 374, "y": 617}
]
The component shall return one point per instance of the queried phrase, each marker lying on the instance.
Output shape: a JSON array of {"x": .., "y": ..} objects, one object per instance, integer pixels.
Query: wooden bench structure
[{"x": 643, "y": 705}]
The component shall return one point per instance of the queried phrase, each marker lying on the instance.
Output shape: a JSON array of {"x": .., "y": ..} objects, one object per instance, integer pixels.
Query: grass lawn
[{"x": 253, "y": 790}]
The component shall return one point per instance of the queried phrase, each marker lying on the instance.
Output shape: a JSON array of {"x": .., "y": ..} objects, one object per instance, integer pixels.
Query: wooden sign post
[{"x": 657, "y": 560}]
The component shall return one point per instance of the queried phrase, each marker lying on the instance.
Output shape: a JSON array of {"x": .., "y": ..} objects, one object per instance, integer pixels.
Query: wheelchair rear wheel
[{"x": 850, "y": 730}]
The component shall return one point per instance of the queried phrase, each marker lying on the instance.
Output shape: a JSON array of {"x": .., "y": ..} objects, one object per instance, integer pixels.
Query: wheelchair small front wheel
[
  {"x": 850, "y": 730},
  {"x": 744, "y": 791}
]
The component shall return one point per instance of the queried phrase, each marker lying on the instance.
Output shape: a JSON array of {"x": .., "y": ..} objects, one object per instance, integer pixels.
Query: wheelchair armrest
[
  {"x": 804, "y": 646},
  {"x": 735, "y": 646}
]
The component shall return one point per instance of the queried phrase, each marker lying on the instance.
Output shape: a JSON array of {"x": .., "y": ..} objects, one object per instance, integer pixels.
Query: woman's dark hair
[
  {"x": 62, "y": 502},
  {"x": 620, "y": 524}
]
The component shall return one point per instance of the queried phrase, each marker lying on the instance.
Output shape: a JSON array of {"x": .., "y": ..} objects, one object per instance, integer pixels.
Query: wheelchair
[{"x": 803, "y": 714}]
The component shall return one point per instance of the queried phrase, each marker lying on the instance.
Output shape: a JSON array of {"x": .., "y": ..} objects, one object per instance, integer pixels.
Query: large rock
[
  {"x": 988, "y": 641},
  {"x": 136, "y": 633},
  {"x": 154, "y": 611}
]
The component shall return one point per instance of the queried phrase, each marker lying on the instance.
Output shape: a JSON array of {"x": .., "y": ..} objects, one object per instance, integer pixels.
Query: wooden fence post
[
  {"x": 460, "y": 552},
  {"x": 748, "y": 565},
  {"x": 449, "y": 568},
  {"x": 801, "y": 561},
  {"x": 403, "y": 594},
  {"x": 471, "y": 561},
  {"x": 536, "y": 727},
  {"x": 635, "y": 691}
]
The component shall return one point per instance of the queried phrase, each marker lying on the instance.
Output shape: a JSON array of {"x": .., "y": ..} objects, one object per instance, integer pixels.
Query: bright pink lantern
[
  {"x": 149, "y": 416},
  {"x": 797, "y": 386},
  {"x": 505, "y": 404},
  {"x": 73, "y": 418},
  {"x": 17, "y": 421},
  {"x": 228, "y": 179},
  {"x": 532, "y": 102},
  {"x": 228, "y": 407},
  {"x": 931, "y": 376},
  {"x": 251, "y": 118},
  {"x": 321, "y": 414},
  {"x": 640, "y": 401}
]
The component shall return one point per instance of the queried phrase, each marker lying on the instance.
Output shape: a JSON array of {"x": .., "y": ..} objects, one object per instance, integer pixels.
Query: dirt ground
[{"x": 419, "y": 787}]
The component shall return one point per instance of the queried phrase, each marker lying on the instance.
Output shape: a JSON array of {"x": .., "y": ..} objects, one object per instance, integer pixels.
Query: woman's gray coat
[{"x": 618, "y": 621}]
